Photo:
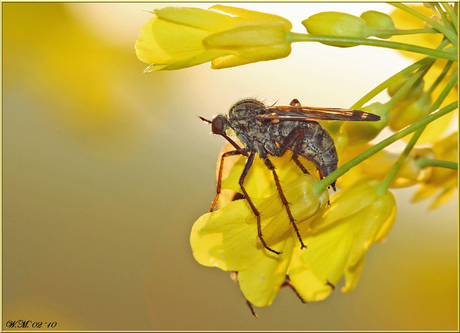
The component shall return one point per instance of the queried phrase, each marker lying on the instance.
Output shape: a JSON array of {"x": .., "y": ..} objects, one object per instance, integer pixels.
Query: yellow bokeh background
[{"x": 105, "y": 170}]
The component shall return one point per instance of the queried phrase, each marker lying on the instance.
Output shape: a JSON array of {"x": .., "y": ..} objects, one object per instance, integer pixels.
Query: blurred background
[{"x": 105, "y": 170}]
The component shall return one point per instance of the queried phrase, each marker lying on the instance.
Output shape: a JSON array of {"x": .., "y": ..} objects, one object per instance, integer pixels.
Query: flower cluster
[
  {"x": 337, "y": 235},
  {"x": 338, "y": 230}
]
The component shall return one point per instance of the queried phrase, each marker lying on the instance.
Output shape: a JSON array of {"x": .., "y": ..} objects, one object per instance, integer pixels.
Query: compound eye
[{"x": 217, "y": 125}]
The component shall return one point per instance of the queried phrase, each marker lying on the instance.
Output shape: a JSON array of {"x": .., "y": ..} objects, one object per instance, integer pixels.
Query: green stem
[
  {"x": 397, "y": 32},
  {"x": 408, "y": 85},
  {"x": 423, "y": 162},
  {"x": 449, "y": 53},
  {"x": 385, "y": 84},
  {"x": 321, "y": 186},
  {"x": 442, "y": 29},
  {"x": 445, "y": 20},
  {"x": 439, "y": 79},
  {"x": 452, "y": 14},
  {"x": 385, "y": 184}
]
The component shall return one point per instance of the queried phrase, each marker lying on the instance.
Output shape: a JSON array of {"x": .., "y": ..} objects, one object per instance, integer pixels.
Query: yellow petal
[
  {"x": 252, "y": 54},
  {"x": 303, "y": 204},
  {"x": 445, "y": 196},
  {"x": 202, "y": 19},
  {"x": 346, "y": 204},
  {"x": 339, "y": 246},
  {"x": 168, "y": 45},
  {"x": 260, "y": 283},
  {"x": 226, "y": 238},
  {"x": 381, "y": 213},
  {"x": 388, "y": 224},
  {"x": 259, "y": 182},
  {"x": 253, "y": 16},
  {"x": 147, "y": 48},
  {"x": 328, "y": 252},
  {"x": 305, "y": 282},
  {"x": 352, "y": 275},
  {"x": 246, "y": 36}
]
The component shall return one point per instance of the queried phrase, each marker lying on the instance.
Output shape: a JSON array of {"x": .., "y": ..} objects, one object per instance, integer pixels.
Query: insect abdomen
[{"x": 318, "y": 147}]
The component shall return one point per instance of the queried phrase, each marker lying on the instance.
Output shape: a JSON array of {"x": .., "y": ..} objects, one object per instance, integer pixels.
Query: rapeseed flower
[
  {"x": 228, "y": 239},
  {"x": 180, "y": 37},
  {"x": 439, "y": 182},
  {"x": 339, "y": 238}
]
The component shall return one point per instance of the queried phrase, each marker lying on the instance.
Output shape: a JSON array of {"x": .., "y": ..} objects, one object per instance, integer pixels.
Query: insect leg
[
  {"x": 330, "y": 285},
  {"x": 219, "y": 177},
  {"x": 298, "y": 136},
  {"x": 234, "y": 277},
  {"x": 287, "y": 283},
  {"x": 269, "y": 164},
  {"x": 249, "y": 162}
]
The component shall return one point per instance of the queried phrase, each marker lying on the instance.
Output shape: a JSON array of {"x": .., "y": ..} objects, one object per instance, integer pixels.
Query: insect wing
[{"x": 307, "y": 113}]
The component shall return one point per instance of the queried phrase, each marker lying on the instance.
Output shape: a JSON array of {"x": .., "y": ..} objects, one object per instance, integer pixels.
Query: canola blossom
[
  {"x": 338, "y": 230},
  {"x": 340, "y": 236},
  {"x": 227, "y": 238},
  {"x": 179, "y": 37}
]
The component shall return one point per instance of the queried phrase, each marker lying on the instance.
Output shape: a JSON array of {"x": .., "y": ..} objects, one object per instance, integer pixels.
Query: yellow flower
[
  {"x": 179, "y": 37},
  {"x": 339, "y": 238},
  {"x": 228, "y": 238},
  {"x": 441, "y": 182},
  {"x": 378, "y": 165}
]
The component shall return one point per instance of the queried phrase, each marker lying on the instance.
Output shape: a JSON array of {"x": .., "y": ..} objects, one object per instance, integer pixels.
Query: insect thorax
[
  {"x": 242, "y": 119},
  {"x": 267, "y": 137}
]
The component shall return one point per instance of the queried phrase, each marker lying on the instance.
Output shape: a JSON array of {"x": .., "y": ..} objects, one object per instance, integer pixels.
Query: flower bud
[
  {"x": 360, "y": 132},
  {"x": 336, "y": 24},
  {"x": 406, "y": 112},
  {"x": 228, "y": 36},
  {"x": 414, "y": 92},
  {"x": 378, "y": 21},
  {"x": 246, "y": 36}
]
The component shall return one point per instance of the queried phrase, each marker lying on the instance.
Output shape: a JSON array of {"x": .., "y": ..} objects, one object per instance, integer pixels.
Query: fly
[{"x": 272, "y": 130}]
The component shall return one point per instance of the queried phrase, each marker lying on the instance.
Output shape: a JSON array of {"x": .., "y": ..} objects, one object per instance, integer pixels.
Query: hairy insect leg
[
  {"x": 248, "y": 165},
  {"x": 269, "y": 164},
  {"x": 330, "y": 285},
  {"x": 234, "y": 277},
  {"x": 295, "y": 137},
  {"x": 300, "y": 133},
  {"x": 287, "y": 283},
  {"x": 253, "y": 312},
  {"x": 298, "y": 136},
  {"x": 219, "y": 177}
]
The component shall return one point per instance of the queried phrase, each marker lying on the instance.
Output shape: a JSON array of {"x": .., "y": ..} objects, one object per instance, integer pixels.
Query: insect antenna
[{"x": 205, "y": 120}]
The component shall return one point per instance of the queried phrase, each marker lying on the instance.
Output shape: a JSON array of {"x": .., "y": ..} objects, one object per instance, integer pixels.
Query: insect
[{"x": 272, "y": 130}]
